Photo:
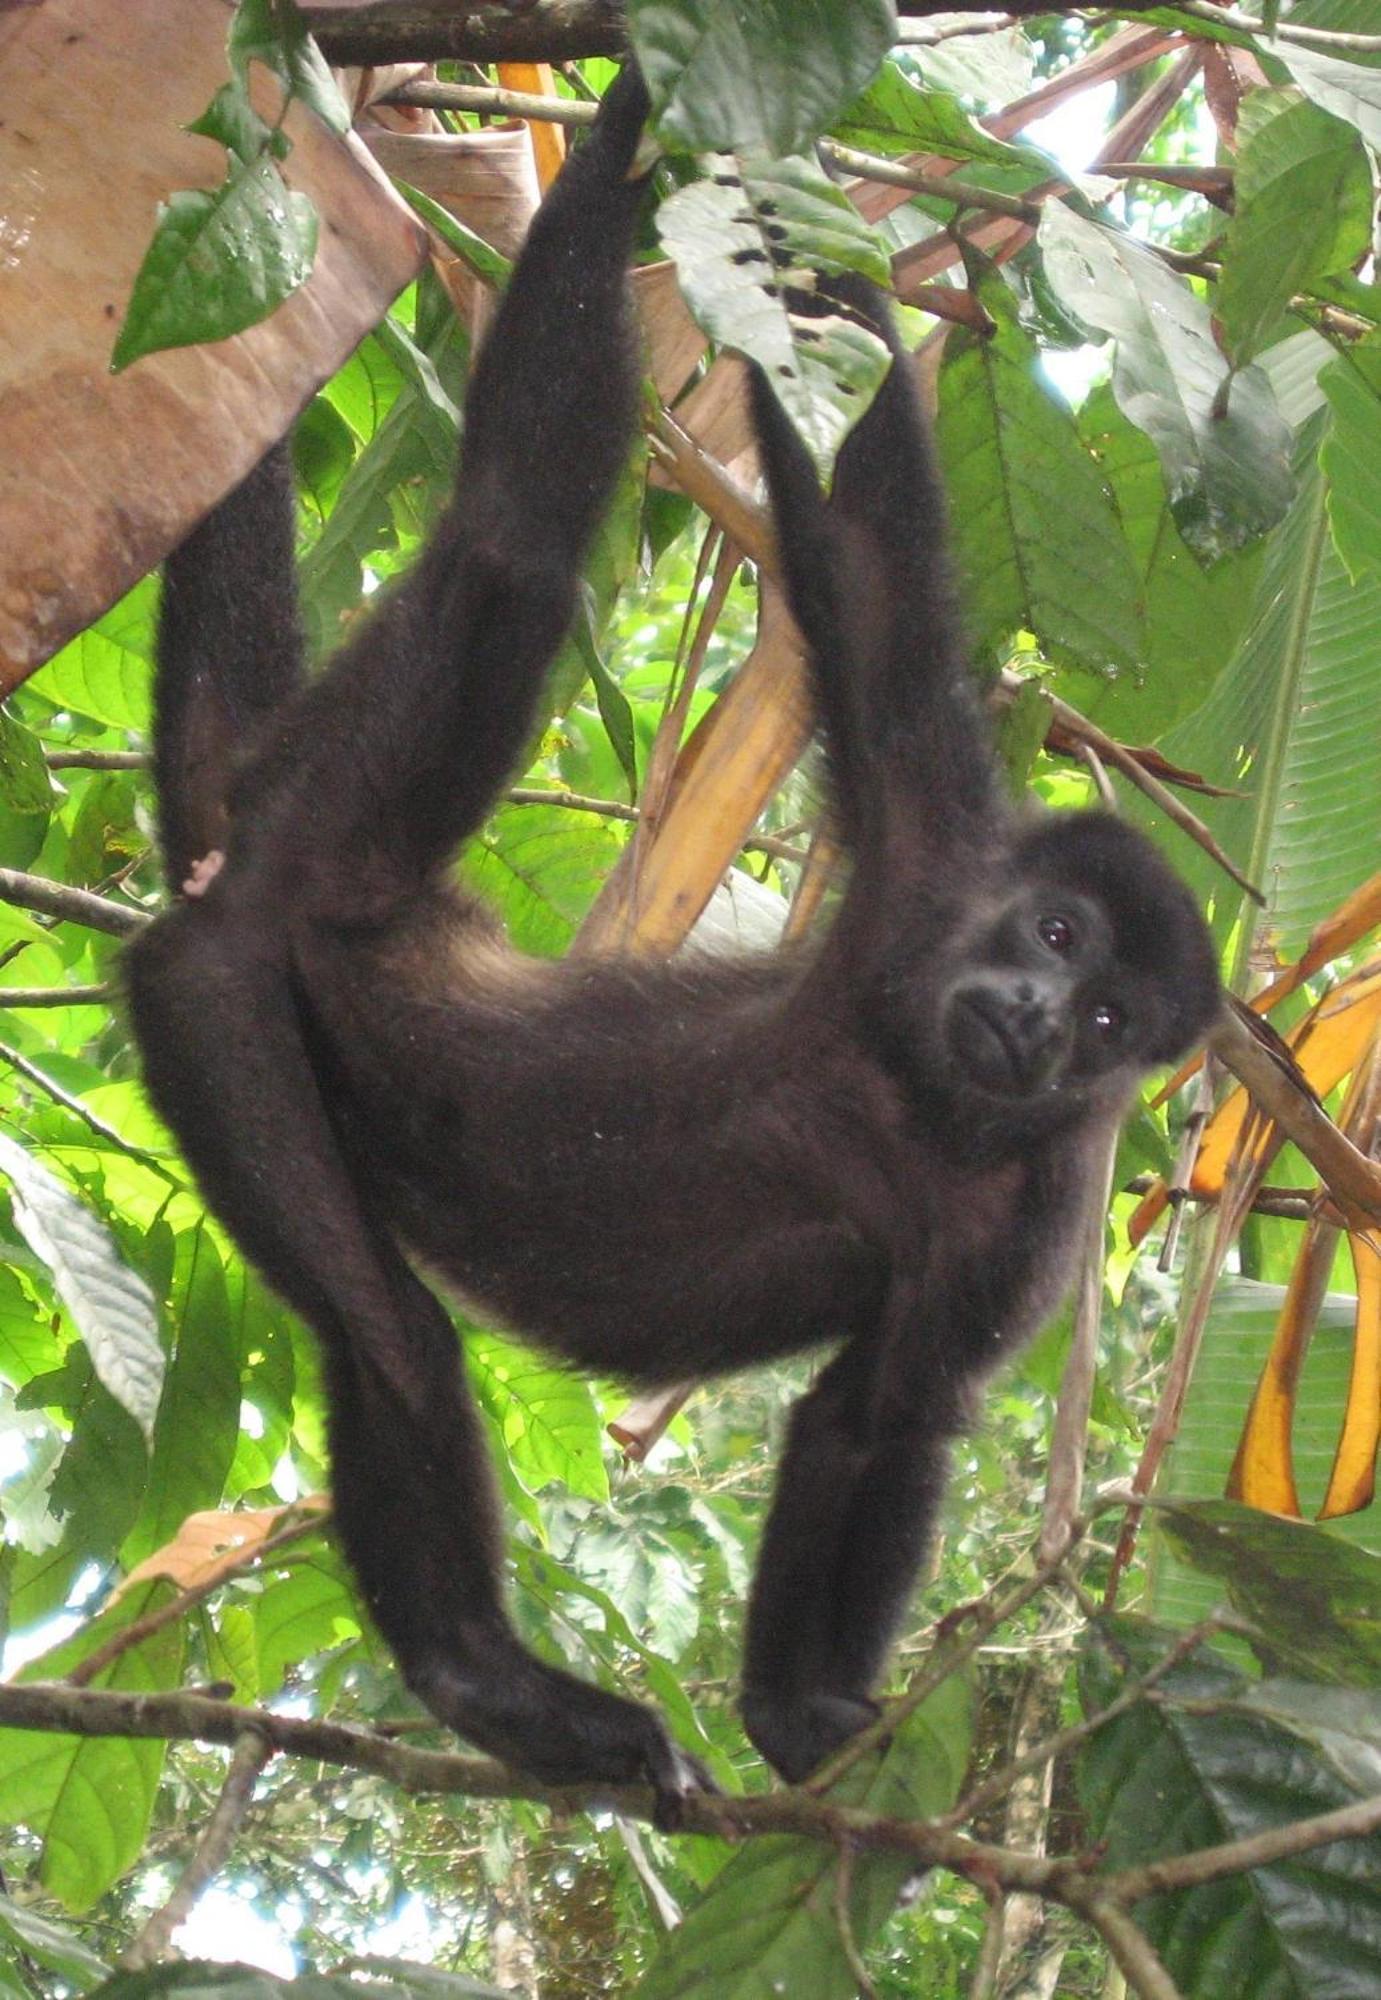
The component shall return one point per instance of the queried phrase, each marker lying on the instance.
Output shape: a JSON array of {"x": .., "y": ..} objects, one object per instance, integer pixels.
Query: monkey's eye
[
  {"x": 1107, "y": 1021},
  {"x": 1055, "y": 933}
]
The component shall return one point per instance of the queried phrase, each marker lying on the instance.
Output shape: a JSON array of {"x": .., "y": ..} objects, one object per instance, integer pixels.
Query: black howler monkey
[{"x": 881, "y": 1146}]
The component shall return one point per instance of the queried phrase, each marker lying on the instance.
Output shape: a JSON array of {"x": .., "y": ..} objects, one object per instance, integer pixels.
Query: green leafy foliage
[
  {"x": 1351, "y": 456},
  {"x": 1039, "y": 544},
  {"x": 1313, "y": 1600},
  {"x": 111, "y": 1306},
  {"x": 1350, "y": 91},
  {"x": 1194, "y": 616},
  {"x": 1294, "y": 727},
  {"x": 221, "y": 261},
  {"x": 895, "y": 116},
  {"x": 733, "y": 236},
  {"x": 726, "y": 78},
  {"x": 769, "y": 1922},
  {"x": 1303, "y": 209},
  {"x": 1224, "y": 448},
  {"x": 1214, "y": 1760},
  {"x": 49, "y": 1945}
]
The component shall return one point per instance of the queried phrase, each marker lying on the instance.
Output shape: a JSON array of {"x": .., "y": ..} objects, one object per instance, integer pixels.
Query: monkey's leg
[
  {"x": 856, "y": 1499},
  {"x": 229, "y": 656},
  {"x": 227, "y": 1065}
]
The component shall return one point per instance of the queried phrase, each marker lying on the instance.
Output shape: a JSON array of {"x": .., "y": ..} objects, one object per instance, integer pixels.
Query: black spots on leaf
[{"x": 752, "y": 256}]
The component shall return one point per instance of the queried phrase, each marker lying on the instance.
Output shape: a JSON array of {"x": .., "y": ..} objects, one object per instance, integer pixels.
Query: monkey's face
[{"x": 1037, "y": 1002}]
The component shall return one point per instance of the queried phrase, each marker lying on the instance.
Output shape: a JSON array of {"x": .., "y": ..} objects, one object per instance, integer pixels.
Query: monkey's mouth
[{"x": 999, "y": 1051}]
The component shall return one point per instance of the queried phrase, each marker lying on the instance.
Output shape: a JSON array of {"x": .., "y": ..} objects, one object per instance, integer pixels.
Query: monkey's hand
[
  {"x": 797, "y": 1732},
  {"x": 561, "y": 1730}
]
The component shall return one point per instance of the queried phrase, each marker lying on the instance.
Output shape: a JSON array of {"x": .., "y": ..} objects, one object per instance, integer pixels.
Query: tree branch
[
  {"x": 210, "y": 1855},
  {"x": 548, "y": 31},
  {"x": 73, "y": 906}
]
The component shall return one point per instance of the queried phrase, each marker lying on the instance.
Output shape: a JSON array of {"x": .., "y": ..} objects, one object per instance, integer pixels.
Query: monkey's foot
[
  {"x": 796, "y": 1733},
  {"x": 562, "y": 1730},
  {"x": 204, "y": 872}
]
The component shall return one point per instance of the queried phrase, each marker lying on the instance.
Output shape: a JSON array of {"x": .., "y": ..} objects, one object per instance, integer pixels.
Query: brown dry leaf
[
  {"x": 726, "y": 772},
  {"x": 548, "y": 141},
  {"x": 213, "y": 1544},
  {"x": 1262, "y": 1472},
  {"x": 1328, "y": 1044},
  {"x": 674, "y": 341},
  {"x": 1352, "y": 1482},
  {"x": 103, "y": 474}
]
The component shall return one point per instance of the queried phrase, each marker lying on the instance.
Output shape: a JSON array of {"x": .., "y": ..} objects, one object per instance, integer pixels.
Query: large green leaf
[
  {"x": 725, "y": 76},
  {"x": 1039, "y": 543},
  {"x": 199, "y": 1415},
  {"x": 1351, "y": 455},
  {"x": 1194, "y": 616},
  {"x": 1314, "y": 1600},
  {"x": 105, "y": 671},
  {"x": 769, "y": 1922},
  {"x": 1294, "y": 723},
  {"x": 541, "y": 866},
  {"x": 546, "y": 1416},
  {"x": 1302, "y": 209},
  {"x": 1202, "y": 1765},
  {"x": 1349, "y": 90},
  {"x": 1226, "y": 468},
  {"x": 220, "y": 262},
  {"x": 731, "y": 236},
  {"x": 111, "y": 1306},
  {"x": 91, "y": 1797},
  {"x": 894, "y": 115},
  {"x": 1235, "y": 1346}
]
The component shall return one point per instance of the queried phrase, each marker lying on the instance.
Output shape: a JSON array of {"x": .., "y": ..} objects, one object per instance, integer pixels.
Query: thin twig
[
  {"x": 1284, "y": 31},
  {"x": 1137, "y": 1958},
  {"x": 227, "y": 1568},
  {"x": 844, "y": 1922},
  {"x": 998, "y": 1783},
  {"x": 97, "y": 760},
  {"x": 531, "y": 795},
  {"x": 210, "y": 1855},
  {"x": 985, "y": 1971},
  {"x": 891, "y": 173},
  {"x": 56, "y": 996},
  {"x": 94, "y": 1123},
  {"x": 486, "y": 101}
]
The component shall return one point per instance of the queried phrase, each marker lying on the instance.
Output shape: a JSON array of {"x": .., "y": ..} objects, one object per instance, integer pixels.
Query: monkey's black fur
[{"x": 883, "y": 1146}]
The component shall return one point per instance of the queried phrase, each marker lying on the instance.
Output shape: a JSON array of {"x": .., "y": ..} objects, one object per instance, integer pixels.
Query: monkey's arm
[
  {"x": 868, "y": 584},
  {"x": 853, "y": 1512}
]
